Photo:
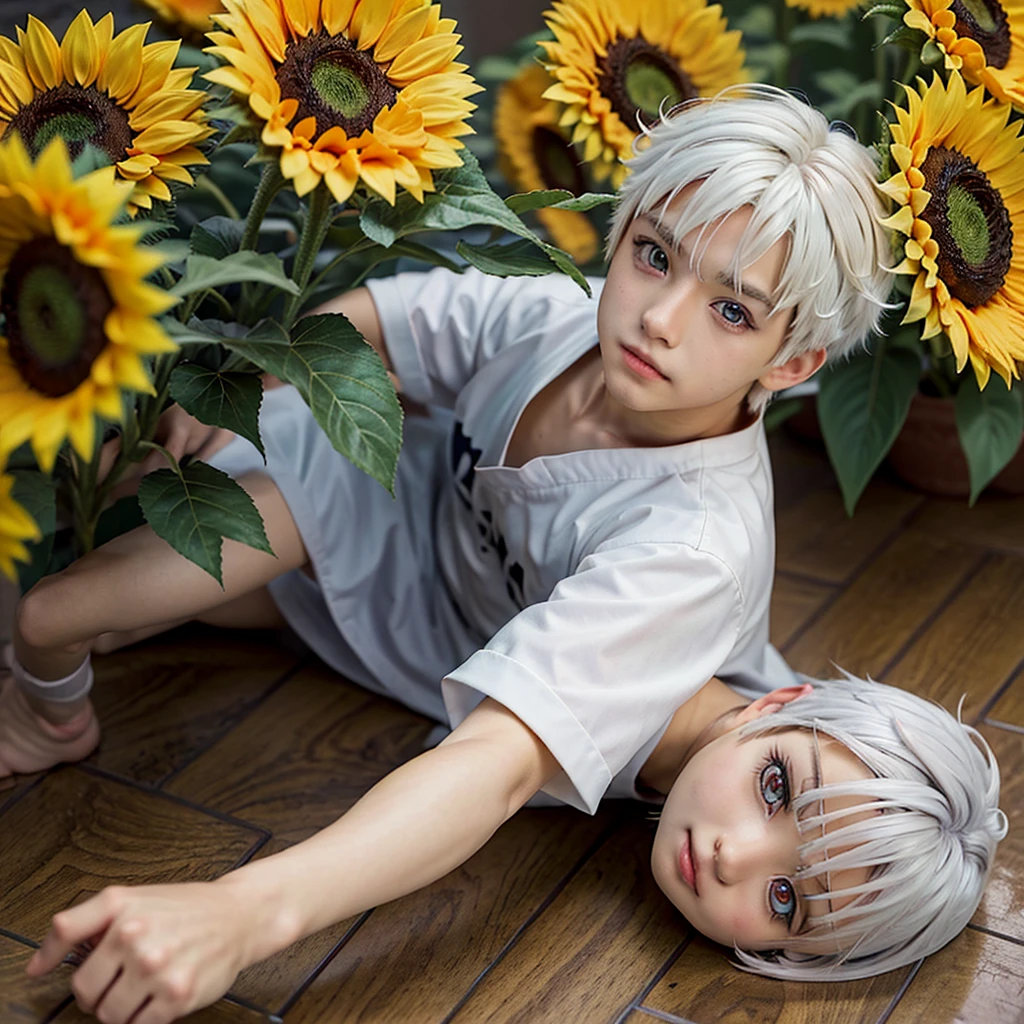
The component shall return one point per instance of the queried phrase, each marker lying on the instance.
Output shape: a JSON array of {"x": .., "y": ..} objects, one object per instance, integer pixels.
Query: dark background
[{"x": 487, "y": 26}]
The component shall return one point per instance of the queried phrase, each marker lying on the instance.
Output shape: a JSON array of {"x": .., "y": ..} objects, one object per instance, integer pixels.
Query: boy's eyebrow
[{"x": 721, "y": 277}]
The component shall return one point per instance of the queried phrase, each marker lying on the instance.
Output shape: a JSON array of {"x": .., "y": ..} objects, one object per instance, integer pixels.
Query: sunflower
[
  {"x": 825, "y": 8},
  {"x": 188, "y": 17},
  {"x": 111, "y": 92},
  {"x": 536, "y": 154},
  {"x": 960, "y": 192},
  {"x": 16, "y": 527},
  {"x": 349, "y": 90},
  {"x": 77, "y": 312},
  {"x": 617, "y": 61},
  {"x": 982, "y": 39}
]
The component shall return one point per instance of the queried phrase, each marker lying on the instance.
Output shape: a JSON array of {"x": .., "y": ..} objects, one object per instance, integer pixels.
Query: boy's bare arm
[{"x": 181, "y": 946}]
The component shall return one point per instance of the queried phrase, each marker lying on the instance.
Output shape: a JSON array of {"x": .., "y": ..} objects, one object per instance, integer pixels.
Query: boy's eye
[
  {"x": 774, "y": 786},
  {"x": 782, "y": 897},
  {"x": 732, "y": 312},
  {"x": 652, "y": 255}
]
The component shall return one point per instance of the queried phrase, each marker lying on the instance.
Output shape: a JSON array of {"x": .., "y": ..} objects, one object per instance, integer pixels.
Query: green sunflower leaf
[
  {"x": 862, "y": 405},
  {"x": 990, "y": 423},
  {"x": 204, "y": 272},
  {"x": 523, "y": 202},
  {"x": 217, "y": 237},
  {"x": 195, "y": 511},
  {"x": 587, "y": 201},
  {"x": 37, "y": 495},
  {"x": 885, "y": 10},
  {"x": 228, "y": 400},
  {"x": 342, "y": 380},
  {"x": 516, "y": 259},
  {"x": 463, "y": 199}
]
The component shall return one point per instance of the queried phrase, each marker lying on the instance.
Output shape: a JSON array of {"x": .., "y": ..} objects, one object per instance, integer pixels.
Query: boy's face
[
  {"x": 725, "y": 852},
  {"x": 673, "y": 341}
]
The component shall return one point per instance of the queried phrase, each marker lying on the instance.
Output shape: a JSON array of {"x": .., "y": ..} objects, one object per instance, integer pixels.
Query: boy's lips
[
  {"x": 687, "y": 863},
  {"x": 641, "y": 365}
]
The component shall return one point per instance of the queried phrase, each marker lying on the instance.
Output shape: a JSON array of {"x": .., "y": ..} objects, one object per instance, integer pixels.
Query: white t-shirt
[{"x": 603, "y": 588}]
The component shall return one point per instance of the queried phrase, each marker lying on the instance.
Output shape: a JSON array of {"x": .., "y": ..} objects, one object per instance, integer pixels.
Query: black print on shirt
[{"x": 464, "y": 458}]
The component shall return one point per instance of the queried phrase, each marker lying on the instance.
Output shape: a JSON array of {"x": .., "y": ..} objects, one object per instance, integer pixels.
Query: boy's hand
[
  {"x": 159, "y": 952},
  {"x": 182, "y": 434}
]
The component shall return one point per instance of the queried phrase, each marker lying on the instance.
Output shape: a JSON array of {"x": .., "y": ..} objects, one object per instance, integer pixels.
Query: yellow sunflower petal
[
  {"x": 122, "y": 70},
  {"x": 80, "y": 51},
  {"x": 42, "y": 54}
]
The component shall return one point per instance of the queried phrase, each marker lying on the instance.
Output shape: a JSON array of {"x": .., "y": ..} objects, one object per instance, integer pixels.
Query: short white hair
[
  {"x": 808, "y": 181},
  {"x": 930, "y": 844}
]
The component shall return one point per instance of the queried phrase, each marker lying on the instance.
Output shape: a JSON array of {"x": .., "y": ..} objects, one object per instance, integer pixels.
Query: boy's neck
[
  {"x": 703, "y": 718},
  {"x": 639, "y": 429}
]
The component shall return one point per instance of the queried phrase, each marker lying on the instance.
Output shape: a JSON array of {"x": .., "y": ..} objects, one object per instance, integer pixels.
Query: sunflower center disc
[
  {"x": 54, "y": 308},
  {"x": 637, "y": 77},
  {"x": 79, "y": 115},
  {"x": 335, "y": 83},
  {"x": 986, "y": 23},
  {"x": 557, "y": 162},
  {"x": 971, "y": 225}
]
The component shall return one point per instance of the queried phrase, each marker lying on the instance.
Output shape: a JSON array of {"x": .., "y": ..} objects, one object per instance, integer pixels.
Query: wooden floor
[{"x": 219, "y": 748}]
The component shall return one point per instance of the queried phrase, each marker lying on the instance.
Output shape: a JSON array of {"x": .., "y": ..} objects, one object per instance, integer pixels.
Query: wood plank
[
  {"x": 1002, "y": 907},
  {"x": 869, "y": 623},
  {"x": 794, "y": 601},
  {"x": 703, "y": 987},
  {"x": 977, "y": 978},
  {"x": 222, "y": 1012},
  {"x": 413, "y": 959},
  {"x": 798, "y": 467},
  {"x": 164, "y": 701},
  {"x": 76, "y": 833},
  {"x": 24, "y": 999},
  {"x": 1009, "y": 709},
  {"x": 816, "y": 538},
  {"x": 996, "y": 522},
  {"x": 304, "y": 756},
  {"x": 593, "y": 950},
  {"x": 974, "y": 646}
]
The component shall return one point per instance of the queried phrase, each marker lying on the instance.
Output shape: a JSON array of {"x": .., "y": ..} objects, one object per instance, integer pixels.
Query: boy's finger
[{"x": 68, "y": 929}]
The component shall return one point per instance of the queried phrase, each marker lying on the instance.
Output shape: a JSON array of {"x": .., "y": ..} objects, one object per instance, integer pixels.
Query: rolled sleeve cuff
[
  {"x": 585, "y": 776},
  {"x": 399, "y": 339}
]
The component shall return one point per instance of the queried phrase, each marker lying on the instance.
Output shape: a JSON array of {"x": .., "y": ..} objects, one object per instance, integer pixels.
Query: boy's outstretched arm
[{"x": 170, "y": 949}]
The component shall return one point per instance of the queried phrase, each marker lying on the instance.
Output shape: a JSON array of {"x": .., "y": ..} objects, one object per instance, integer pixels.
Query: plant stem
[
  {"x": 208, "y": 184},
  {"x": 314, "y": 230},
  {"x": 270, "y": 184}
]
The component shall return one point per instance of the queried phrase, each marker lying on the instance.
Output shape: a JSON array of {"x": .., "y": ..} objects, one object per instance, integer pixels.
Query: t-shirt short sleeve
[
  {"x": 600, "y": 667},
  {"x": 440, "y": 327}
]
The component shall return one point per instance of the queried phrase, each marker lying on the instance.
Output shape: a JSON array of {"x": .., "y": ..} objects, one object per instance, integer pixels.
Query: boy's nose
[
  {"x": 741, "y": 853},
  {"x": 665, "y": 318}
]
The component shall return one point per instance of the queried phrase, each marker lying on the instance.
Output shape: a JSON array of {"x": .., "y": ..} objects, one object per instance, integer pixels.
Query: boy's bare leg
[
  {"x": 250, "y": 611},
  {"x": 130, "y": 585}
]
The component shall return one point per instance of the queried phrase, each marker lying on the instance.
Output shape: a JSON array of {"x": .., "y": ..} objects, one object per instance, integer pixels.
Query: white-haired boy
[{"x": 574, "y": 550}]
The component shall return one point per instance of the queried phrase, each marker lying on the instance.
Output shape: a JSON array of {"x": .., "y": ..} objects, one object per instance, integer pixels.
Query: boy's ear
[
  {"x": 771, "y": 702},
  {"x": 794, "y": 371}
]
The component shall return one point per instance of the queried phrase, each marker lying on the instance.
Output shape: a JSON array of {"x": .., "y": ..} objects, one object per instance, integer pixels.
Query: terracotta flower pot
[{"x": 927, "y": 454}]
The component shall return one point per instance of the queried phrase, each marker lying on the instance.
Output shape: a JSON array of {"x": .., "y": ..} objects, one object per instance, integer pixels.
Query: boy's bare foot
[{"x": 29, "y": 743}]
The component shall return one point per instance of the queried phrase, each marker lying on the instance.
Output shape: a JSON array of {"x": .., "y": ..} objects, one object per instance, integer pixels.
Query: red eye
[
  {"x": 781, "y": 897},
  {"x": 774, "y": 786}
]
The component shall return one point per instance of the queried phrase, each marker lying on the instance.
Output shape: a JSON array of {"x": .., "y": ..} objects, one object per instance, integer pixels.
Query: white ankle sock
[{"x": 61, "y": 691}]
